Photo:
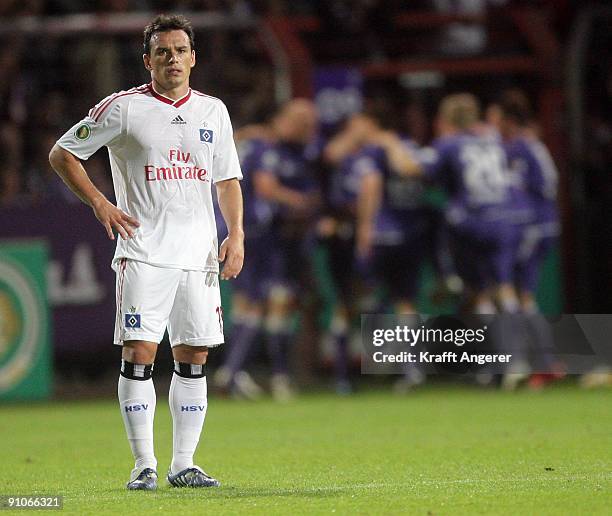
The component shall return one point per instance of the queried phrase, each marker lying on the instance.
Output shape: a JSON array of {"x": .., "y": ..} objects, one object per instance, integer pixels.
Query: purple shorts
[
  {"x": 260, "y": 271},
  {"x": 484, "y": 251}
]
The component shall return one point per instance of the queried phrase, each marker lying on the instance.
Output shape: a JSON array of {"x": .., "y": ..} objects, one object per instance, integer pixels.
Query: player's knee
[
  {"x": 252, "y": 319},
  {"x": 404, "y": 307},
  {"x": 528, "y": 303},
  {"x": 248, "y": 313},
  {"x": 280, "y": 294},
  {"x": 240, "y": 302},
  {"x": 507, "y": 299},
  {"x": 190, "y": 354},
  {"x": 340, "y": 322},
  {"x": 139, "y": 352},
  {"x": 279, "y": 301},
  {"x": 341, "y": 312},
  {"x": 482, "y": 304},
  {"x": 277, "y": 324}
]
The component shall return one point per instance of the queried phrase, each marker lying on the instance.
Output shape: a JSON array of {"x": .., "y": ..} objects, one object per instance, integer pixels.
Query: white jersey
[{"x": 164, "y": 156}]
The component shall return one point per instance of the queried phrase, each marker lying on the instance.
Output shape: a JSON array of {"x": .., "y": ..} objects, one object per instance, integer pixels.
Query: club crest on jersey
[
  {"x": 206, "y": 135},
  {"x": 132, "y": 320},
  {"x": 83, "y": 132}
]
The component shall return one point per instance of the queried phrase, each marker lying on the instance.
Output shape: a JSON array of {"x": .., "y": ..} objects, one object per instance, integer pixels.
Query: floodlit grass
[{"x": 441, "y": 450}]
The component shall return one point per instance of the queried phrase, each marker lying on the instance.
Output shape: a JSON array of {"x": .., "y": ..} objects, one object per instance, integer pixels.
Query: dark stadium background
[{"x": 59, "y": 57}]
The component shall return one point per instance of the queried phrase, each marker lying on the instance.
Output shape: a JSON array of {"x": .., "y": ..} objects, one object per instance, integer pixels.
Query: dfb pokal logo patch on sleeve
[
  {"x": 206, "y": 135},
  {"x": 132, "y": 320},
  {"x": 83, "y": 132}
]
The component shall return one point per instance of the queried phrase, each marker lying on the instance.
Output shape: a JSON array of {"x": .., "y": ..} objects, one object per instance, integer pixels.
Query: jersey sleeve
[
  {"x": 86, "y": 137},
  {"x": 267, "y": 159},
  {"x": 366, "y": 163},
  {"x": 435, "y": 162},
  {"x": 225, "y": 159},
  {"x": 425, "y": 155},
  {"x": 439, "y": 166},
  {"x": 543, "y": 175}
]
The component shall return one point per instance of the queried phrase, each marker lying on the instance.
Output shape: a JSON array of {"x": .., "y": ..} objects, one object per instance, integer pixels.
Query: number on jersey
[{"x": 483, "y": 174}]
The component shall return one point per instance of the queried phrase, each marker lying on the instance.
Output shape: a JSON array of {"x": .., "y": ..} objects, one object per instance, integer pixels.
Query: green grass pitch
[{"x": 441, "y": 450}]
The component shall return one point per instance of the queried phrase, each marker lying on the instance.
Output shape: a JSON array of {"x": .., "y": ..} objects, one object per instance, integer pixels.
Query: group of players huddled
[{"x": 364, "y": 194}]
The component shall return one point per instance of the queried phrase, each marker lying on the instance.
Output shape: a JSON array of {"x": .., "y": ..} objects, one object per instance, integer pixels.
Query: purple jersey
[
  {"x": 255, "y": 156},
  {"x": 533, "y": 178},
  {"x": 294, "y": 167},
  {"x": 472, "y": 170},
  {"x": 401, "y": 214},
  {"x": 258, "y": 274},
  {"x": 345, "y": 183}
]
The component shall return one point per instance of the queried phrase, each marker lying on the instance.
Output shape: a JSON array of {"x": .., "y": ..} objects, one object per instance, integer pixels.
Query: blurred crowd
[
  {"x": 365, "y": 194},
  {"x": 348, "y": 12},
  {"x": 63, "y": 7},
  {"x": 48, "y": 89},
  {"x": 340, "y": 8}
]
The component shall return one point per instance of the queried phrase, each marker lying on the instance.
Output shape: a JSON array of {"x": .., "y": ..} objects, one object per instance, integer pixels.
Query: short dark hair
[
  {"x": 515, "y": 105},
  {"x": 165, "y": 23},
  {"x": 382, "y": 112}
]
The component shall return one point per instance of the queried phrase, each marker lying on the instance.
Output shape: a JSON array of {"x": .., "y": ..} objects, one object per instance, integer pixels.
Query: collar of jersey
[{"x": 166, "y": 100}]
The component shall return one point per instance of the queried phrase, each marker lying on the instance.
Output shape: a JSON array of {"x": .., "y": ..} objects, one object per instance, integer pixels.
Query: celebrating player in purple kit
[
  {"x": 168, "y": 144},
  {"x": 280, "y": 194},
  {"x": 391, "y": 223},
  {"x": 533, "y": 177},
  {"x": 472, "y": 170},
  {"x": 337, "y": 229},
  {"x": 251, "y": 288},
  {"x": 391, "y": 220}
]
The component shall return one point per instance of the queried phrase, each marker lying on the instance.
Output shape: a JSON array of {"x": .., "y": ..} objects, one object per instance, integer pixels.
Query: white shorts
[{"x": 149, "y": 299}]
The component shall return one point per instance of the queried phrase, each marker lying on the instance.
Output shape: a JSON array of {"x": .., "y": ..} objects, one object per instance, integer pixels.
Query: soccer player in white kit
[{"x": 167, "y": 145}]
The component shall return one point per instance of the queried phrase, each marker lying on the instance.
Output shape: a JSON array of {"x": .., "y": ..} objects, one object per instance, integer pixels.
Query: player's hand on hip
[
  {"x": 112, "y": 218},
  {"x": 232, "y": 253}
]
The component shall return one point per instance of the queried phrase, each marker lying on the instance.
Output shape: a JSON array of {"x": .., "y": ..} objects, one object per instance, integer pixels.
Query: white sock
[
  {"x": 137, "y": 403},
  {"x": 484, "y": 307},
  {"x": 188, "y": 404},
  {"x": 509, "y": 305}
]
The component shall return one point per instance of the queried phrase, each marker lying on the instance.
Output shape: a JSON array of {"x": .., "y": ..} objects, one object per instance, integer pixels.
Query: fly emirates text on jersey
[{"x": 174, "y": 171}]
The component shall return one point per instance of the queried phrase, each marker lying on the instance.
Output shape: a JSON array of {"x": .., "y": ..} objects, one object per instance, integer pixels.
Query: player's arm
[
  {"x": 347, "y": 141},
  {"x": 72, "y": 172},
  {"x": 252, "y": 131},
  {"x": 399, "y": 157},
  {"x": 340, "y": 146},
  {"x": 369, "y": 200},
  {"x": 231, "y": 251},
  {"x": 268, "y": 187}
]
